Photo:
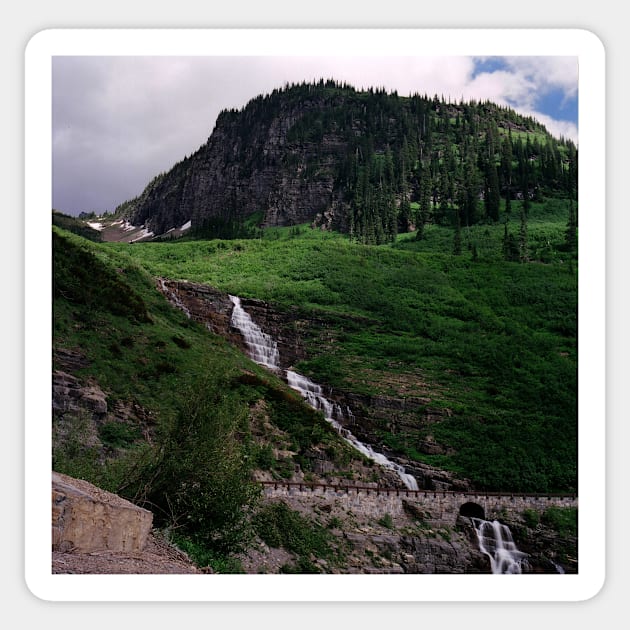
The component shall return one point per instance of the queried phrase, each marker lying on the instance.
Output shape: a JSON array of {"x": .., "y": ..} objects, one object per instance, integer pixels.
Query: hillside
[
  {"x": 367, "y": 163},
  {"x": 463, "y": 362},
  {"x": 147, "y": 402},
  {"x": 150, "y": 405}
]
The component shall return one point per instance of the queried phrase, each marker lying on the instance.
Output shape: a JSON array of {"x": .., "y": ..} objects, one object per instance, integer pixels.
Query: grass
[
  {"x": 281, "y": 527},
  {"x": 144, "y": 355},
  {"x": 494, "y": 341}
]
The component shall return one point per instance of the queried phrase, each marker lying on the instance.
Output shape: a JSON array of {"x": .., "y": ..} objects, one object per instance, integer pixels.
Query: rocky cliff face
[
  {"x": 87, "y": 519},
  {"x": 248, "y": 166}
]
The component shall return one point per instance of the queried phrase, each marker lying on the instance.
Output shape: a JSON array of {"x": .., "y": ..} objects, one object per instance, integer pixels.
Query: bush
[
  {"x": 118, "y": 434},
  {"x": 279, "y": 526},
  {"x": 531, "y": 517},
  {"x": 386, "y": 521},
  {"x": 200, "y": 481},
  {"x": 562, "y": 520}
]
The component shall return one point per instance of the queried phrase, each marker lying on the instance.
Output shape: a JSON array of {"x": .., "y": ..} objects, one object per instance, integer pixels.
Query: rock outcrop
[
  {"x": 248, "y": 166},
  {"x": 213, "y": 309},
  {"x": 70, "y": 395},
  {"x": 88, "y": 519}
]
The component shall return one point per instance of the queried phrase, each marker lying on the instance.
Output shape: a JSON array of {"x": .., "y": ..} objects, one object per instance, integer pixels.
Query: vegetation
[
  {"x": 396, "y": 164},
  {"x": 76, "y": 225},
  {"x": 563, "y": 520},
  {"x": 178, "y": 438},
  {"x": 280, "y": 526},
  {"x": 494, "y": 340}
]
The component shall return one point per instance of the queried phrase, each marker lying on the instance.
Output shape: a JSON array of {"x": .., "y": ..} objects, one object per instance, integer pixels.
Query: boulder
[{"x": 87, "y": 519}]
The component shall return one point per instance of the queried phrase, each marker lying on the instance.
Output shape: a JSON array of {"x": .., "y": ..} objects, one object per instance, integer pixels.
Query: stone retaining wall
[{"x": 438, "y": 509}]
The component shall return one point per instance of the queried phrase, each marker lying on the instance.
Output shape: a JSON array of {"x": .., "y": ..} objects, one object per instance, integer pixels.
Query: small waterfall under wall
[
  {"x": 264, "y": 351},
  {"x": 495, "y": 540}
]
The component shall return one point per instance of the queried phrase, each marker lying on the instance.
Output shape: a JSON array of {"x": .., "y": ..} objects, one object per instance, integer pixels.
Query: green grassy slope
[
  {"x": 495, "y": 341},
  {"x": 182, "y": 433}
]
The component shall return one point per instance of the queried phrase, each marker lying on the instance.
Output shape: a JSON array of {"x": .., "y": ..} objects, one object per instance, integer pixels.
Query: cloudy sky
[{"x": 119, "y": 121}]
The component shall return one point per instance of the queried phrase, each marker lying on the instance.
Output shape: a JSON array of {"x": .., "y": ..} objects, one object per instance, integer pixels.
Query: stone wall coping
[{"x": 406, "y": 492}]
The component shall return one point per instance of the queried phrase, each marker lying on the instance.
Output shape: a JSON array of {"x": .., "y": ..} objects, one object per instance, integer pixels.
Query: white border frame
[{"x": 312, "y": 588}]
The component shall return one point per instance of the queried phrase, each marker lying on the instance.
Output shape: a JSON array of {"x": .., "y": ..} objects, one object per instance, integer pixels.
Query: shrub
[
  {"x": 180, "y": 342},
  {"x": 118, "y": 434},
  {"x": 200, "y": 480},
  {"x": 263, "y": 457},
  {"x": 531, "y": 517},
  {"x": 562, "y": 520},
  {"x": 279, "y": 526},
  {"x": 386, "y": 521}
]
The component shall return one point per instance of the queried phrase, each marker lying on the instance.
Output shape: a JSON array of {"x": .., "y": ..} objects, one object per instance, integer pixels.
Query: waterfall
[
  {"x": 262, "y": 348},
  {"x": 173, "y": 297},
  {"x": 264, "y": 351},
  {"x": 333, "y": 413},
  {"x": 495, "y": 540}
]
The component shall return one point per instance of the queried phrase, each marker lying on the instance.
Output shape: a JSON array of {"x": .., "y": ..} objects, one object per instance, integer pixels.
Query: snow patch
[
  {"x": 144, "y": 233},
  {"x": 96, "y": 226}
]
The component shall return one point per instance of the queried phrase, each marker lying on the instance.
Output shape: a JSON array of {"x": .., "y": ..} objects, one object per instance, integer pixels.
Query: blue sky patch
[{"x": 488, "y": 64}]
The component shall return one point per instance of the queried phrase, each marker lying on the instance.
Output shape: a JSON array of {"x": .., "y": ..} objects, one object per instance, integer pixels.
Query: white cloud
[{"x": 548, "y": 72}]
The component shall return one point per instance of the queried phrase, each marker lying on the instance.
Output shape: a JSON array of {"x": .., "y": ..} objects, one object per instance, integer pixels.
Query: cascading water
[
  {"x": 264, "y": 351},
  {"x": 495, "y": 540},
  {"x": 173, "y": 297},
  {"x": 333, "y": 413},
  {"x": 262, "y": 348}
]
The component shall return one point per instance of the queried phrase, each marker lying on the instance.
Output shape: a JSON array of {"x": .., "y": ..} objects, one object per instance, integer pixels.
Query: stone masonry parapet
[{"x": 439, "y": 508}]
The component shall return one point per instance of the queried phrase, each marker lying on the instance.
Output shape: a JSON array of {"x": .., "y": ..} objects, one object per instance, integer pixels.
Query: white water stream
[
  {"x": 495, "y": 540},
  {"x": 264, "y": 351},
  {"x": 333, "y": 413},
  {"x": 174, "y": 298},
  {"x": 262, "y": 348}
]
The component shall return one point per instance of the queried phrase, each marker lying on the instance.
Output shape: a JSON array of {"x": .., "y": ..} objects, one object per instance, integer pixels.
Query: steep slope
[
  {"x": 150, "y": 405},
  {"x": 464, "y": 362}
]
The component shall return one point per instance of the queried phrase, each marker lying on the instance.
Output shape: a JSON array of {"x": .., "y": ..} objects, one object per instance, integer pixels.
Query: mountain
[
  {"x": 368, "y": 163},
  {"x": 432, "y": 303},
  {"x": 76, "y": 225}
]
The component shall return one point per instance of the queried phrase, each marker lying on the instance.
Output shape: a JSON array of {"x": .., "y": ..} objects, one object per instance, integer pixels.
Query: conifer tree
[
  {"x": 425, "y": 203},
  {"x": 523, "y": 254},
  {"x": 493, "y": 194},
  {"x": 457, "y": 239},
  {"x": 506, "y": 161},
  {"x": 508, "y": 201},
  {"x": 571, "y": 232},
  {"x": 509, "y": 247}
]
